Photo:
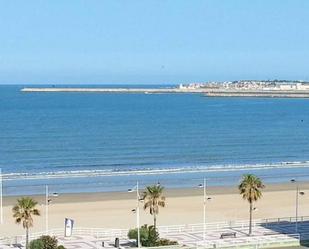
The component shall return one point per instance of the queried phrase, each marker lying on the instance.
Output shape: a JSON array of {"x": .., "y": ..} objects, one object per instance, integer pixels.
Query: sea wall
[
  {"x": 114, "y": 90},
  {"x": 207, "y": 92}
]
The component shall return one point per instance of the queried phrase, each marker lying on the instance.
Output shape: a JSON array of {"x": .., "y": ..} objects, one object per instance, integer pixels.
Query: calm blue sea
[{"x": 100, "y": 142}]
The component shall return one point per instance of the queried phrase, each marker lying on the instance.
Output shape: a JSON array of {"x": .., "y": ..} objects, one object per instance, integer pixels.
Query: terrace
[{"x": 278, "y": 232}]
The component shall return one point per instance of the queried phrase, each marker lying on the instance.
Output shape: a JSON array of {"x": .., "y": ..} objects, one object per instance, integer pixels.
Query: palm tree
[
  {"x": 23, "y": 212},
  {"x": 251, "y": 190},
  {"x": 153, "y": 198}
]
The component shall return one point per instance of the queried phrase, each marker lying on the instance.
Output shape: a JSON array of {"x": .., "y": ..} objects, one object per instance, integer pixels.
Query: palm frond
[
  {"x": 153, "y": 197},
  {"x": 251, "y": 188},
  {"x": 24, "y": 210}
]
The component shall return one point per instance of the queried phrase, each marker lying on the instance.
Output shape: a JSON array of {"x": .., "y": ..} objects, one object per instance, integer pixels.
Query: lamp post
[
  {"x": 138, "y": 198},
  {"x": 46, "y": 208},
  {"x": 297, "y": 203},
  {"x": 205, "y": 198},
  {"x": 47, "y": 201},
  {"x": 1, "y": 197}
]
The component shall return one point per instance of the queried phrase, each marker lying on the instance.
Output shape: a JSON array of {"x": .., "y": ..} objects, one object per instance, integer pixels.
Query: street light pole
[
  {"x": 136, "y": 188},
  {"x": 296, "y": 209},
  {"x": 46, "y": 208},
  {"x": 297, "y": 203},
  {"x": 137, "y": 216},
  {"x": 205, "y": 199},
  {"x": 204, "y": 213}
]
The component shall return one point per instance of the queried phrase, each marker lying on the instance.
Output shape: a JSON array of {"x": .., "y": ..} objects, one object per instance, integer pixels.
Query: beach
[{"x": 184, "y": 206}]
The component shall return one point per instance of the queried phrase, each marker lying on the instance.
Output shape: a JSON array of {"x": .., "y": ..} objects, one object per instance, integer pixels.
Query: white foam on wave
[{"x": 152, "y": 171}]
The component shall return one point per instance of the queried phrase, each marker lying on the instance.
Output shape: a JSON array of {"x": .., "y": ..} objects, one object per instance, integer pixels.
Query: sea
[{"x": 95, "y": 142}]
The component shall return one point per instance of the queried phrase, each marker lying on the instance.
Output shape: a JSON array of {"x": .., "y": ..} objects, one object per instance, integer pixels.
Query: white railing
[
  {"x": 212, "y": 226},
  {"x": 209, "y": 226},
  {"x": 285, "y": 219},
  {"x": 101, "y": 233},
  {"x": 255, "y": 241},
  {"x": 93, "y": 232}
]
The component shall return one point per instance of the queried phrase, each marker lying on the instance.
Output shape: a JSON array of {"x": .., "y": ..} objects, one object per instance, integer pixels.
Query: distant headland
[{"x": 241, "y": 88}]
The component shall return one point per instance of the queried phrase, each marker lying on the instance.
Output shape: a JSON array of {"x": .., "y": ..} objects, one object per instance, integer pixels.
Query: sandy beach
[{"x": 184, "y": 206}]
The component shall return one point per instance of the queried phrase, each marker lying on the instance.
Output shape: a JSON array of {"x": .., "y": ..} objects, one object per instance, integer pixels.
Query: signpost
[{"x": 68, "y": 227}]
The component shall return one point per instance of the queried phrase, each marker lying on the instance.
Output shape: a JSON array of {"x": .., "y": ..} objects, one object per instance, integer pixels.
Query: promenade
[{"x": 279, "y": 232}]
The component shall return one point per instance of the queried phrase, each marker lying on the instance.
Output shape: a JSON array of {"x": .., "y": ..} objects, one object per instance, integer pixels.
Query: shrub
[
  {"x": 166, "y": 242},
  {"x": 45, "y": 242},
  {"x": 132, "y": 234},
  {"x": 36, "y": 244},
  {"x": 148, "y": 235},
  {"x": 49, "y": 242},
  {"x": 153, "y": 237}
]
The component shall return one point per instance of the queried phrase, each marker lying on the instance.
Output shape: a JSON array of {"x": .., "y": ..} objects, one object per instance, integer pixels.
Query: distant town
[{"x": 267, "y": 85}]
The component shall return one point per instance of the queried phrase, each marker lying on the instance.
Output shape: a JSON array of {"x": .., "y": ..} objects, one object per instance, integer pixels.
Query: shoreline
[{"x": 169, "y": 192}]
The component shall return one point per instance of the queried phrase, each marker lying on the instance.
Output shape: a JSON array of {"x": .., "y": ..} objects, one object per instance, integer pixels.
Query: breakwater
[
  {"x": 208, "y": 92},
  {"x": 114, "y": 90}
]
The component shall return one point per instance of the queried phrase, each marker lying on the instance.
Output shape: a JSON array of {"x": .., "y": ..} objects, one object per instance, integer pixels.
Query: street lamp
[
  {"x": 138, "y": 199},
  {"x": 296, "y": 203},
  {"x": 205, "y": 198},
  {"x": 47, "y": 201}
]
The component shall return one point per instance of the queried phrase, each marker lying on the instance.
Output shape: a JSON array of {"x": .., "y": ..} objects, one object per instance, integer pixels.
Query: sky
[{"x": 153, "y": 41}]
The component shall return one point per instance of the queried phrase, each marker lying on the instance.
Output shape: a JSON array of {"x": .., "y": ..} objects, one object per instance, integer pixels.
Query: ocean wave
[{"x": 151, "y": 171}]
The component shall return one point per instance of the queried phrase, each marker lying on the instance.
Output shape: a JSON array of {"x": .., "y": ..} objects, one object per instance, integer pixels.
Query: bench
[
  {"x": 228, "y": 235},
  {"x": 270, "y": 233}
]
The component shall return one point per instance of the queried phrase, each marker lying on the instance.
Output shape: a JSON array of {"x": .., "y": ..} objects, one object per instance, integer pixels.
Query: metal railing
[
  {"x": 79, "y": 231},
  {"x": 228, "y": 224},
  {"x": 209, "y": 226},
  {"x": 285, "y": 219},
  {"x": 256, "y": 241}
]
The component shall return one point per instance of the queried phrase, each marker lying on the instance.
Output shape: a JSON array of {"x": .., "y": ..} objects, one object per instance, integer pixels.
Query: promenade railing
[
  {"x": 253, "y": 241},
  {"x": 229, "y": 224}
]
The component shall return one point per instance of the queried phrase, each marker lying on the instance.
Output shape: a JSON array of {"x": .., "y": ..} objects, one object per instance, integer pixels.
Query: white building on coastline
[{"x": 250, "y": 85}]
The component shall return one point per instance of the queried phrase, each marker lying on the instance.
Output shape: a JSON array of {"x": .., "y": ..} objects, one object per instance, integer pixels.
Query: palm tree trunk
[
  {"x": 154, "y": 221},
  {"x": 27, "y": 237},
  {"x": 250, "y": 220}
]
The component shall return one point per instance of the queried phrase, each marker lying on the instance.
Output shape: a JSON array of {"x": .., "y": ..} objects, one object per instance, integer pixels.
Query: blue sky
[{"x": 152, "y": 42}]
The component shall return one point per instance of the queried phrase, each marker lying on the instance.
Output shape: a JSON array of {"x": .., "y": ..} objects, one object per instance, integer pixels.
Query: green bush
[
  {"x": 166, "y": 242},
  {"x": 144, "y": 234},
  {"x": 150, "y": 237},
  {"x": 153, "y": 237},
  {"x": 45, "y": 242},
  {"x": 132, "y": 234},
  {"x": 49, "y": 242},
  {"x": 36, "y": 244}
]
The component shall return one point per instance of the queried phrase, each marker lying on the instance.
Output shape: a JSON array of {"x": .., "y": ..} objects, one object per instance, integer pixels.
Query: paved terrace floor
[{"x": 194, "y": 237}]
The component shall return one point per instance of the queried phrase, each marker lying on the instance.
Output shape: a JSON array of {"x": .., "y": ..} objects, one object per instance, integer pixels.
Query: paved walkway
[
  {"x": 84, "y": 242},
  {"x": 262, "y": 233}
]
